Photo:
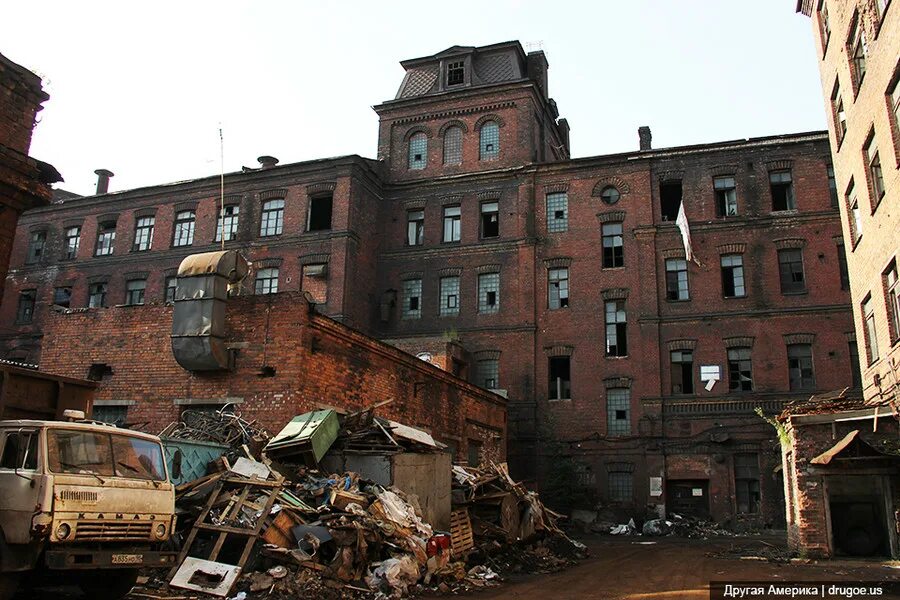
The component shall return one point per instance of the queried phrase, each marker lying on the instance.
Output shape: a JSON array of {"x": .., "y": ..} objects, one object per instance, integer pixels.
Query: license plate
[{"x": 127, "y": 559}]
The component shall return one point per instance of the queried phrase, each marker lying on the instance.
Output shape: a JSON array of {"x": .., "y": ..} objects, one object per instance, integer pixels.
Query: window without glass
[
  {"x": 669, "y": 199},
  {"x": 800, "y": 367},
  {"x": 858, "y": 51},
  {"x": 143, "y": 234},
  {"x": 184, "y": 228},
  {"x": 875, "y": 175},
  {"x": 740, "y": 370},
  {"x": 415, "y": 228},
  {"x": 616, "y": 332},
  {"x": 449, "y": 296},
  {"x": 682, "y": 371},
  {"x": 452, "y": 223},
  {"x": 489, "y": 141},
  {"x": 557, "y": 212},
  {"x": 868, "y": 312},
  {"x": 855, "y": 375},
  {"x": 832, "y": 186},
  {"x": 418, "y": 151},
  {"x": 228, "y": 222},
  {"x": 790, "y": 266},
  {"x": 856, "y": 225},
  {"x": 473, "y": 453},
  {"x": 558, "y": 286},
  {"x": 412, "y": 299},
  {"x": 618, "y": 412},
  {"x": 25, "y": 309},
  {"x": 97, "y": 295},
  {"x": 560, "y": 384},
  {"x": 746, "y": 482},
  {"x": 620, "y": 486},
  {"x": 842, "y": 267},
  {"x": 892, "y": 299},
  {"x": 782, "y": 186},
  {"x": 319, "y": 218},
  {"x": 456, "y": 73},
  {"x": 453, "y": 138},
  {"x": 134, "y": 291},
  {"x": 733, "y": 276},
  {"x": 272, "y": 218},
  {"x": 267, "y": 281},
  {"x": 72, "y": 242},
  {"x": 488, "y": 373},
  {"x": 613, "y": 249},
  {"x": 489, "y": 292},
  {"x": 171, "y": 288},
  {"x": 490, "y": 219},
  {"x": 106, "y": 238},
  {"x": 610, "y": 195},
  {"x": 62, "y": 296},
  {"x": 839, "y": 114},
  {"x": 36, "y": 244},
  {"x": 114, "y": 415},
  {"x": 726, "y": 196},
  {"x": 676, "y": 279}
]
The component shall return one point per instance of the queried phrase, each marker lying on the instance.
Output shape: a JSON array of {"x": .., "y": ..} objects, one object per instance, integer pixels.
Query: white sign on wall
[{"x": 710, "y": 374}]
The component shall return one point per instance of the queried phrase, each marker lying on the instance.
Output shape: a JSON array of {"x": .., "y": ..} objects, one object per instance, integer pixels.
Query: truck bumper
[{"x": 120, "y": 558}]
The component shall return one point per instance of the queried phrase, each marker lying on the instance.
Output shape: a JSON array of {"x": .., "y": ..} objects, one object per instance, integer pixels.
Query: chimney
[
  {"x": 267, "y": 162},
  {"x": 645, "y": 137},
  {"x": 103, "y": 176}
]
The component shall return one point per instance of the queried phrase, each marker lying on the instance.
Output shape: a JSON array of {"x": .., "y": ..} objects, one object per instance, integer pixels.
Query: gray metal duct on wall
[{"x": 198, "y": 326}]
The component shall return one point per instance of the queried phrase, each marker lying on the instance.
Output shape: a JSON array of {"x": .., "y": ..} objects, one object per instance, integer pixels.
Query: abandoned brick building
[{"x": 563, "y": 282}]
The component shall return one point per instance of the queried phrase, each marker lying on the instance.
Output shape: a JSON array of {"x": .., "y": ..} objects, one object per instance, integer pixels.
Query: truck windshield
[{"x": 100, "y": 453}]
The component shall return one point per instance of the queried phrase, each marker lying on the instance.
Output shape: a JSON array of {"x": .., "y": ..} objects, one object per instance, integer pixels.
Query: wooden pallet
[{"x": 461, "y": 540}]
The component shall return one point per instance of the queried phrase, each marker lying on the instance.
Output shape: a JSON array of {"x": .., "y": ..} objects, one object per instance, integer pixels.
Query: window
[
  {"x": 558, "y": 286},
  {"x": 184, "y": 228},
  {"x": 134, "y": 291},
  {"x": 613, "y": 255},
  {"x": 488, "y": 373},
  {"x": 97, "y": 295},
  {"x": 892, "y": 299},
  {"x": 782, "y": 187},
  {"x": 267, "y": 281},
  {"x": 25, "y": 309},
  {"x": 272, "y": 218},
  {"x": 682, "y": 362},
  {"x": 880, "y": 6},
  {"x": 669, "y": 199},
  {"x": 868, "y": 311},
  {"x": 227, "y": 222},
  {"x": 839, "y": 114},
  {"x": 412, "y": 298},
  {"x": 106, "y": 238},
  {"x": 452, "y": 223},
  {"x": 112, "y": 414},
  {"x": 790, "y": 266},
  {"x": 319, "y": 218},
  {"x": 746, "y": 482},
  {"x": 832, "y": 186},
  {"x": 895, "y": 104},
  {"x": 875, "y": 176},
  {"x": 856, "y": 225},
  {"x": 733, "y": 276},
  {"x": 842, "y": 267},
  {"x": 415, "y": 228},
  {"x": 449, "y": 296},
  {"x": 855, "y": 375},
  {"x": 171, "y": 288},
  {"x": 620, "y": 486},
  {"x": 418, "y": 151},
  {"x": 456, "y": 73},
  {"x": 490, "y": 219},
  {"x": 36, "y": 244},
  {"x": 560, "y": 384},
  {"x": 726, "y": 196},
  {"x": 489, "y": 141},
  {"x": 62, "y": 296},
  {"x": 616, "y": 333},
  {"x": 824, "y": 24},
  {"x": 473, "y": 453},
  {"x": 800, "y": 368},
  {"x": 610, "y": 195},
  {"x": 314, "y": 281},
  {"x": 676, "y": 279},
  {"x": 72, "y": 242},
  {"x": 618, "y": 412},
  {"x": 489, "y": 292},
  {"x": 740, "y": 372},
  {"x": 453, "y": 138},
  {"x": 858, "y": 50},
  {"x": 557, "y": 212},
  {"x": 143, "y": 234},
  {"x": 20, "y": 450}
]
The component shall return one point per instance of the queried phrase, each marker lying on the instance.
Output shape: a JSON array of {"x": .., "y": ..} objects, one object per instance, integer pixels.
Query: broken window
[
  {"x": 832, "y": 186},
  {"x": 733, "y": 276},
  {"x": 272, "y": 218},
  {"x": 669, "y": 199},
  {"x": 790, "y": 266},
  {"x": 782, "y": 187},
  {"x": 227, "y": 222},
  {"x": 613, "y": 250},
  {"x": 682, "y": 371},
  {"x": 800, "y": 367},
  {"x": 856, "y": 225},
  {"x": 62, "y": 296},
  {"x": 875, "y": 175},
  {"x": 171, "y": 288},
  {"x": 490, "y": 219},
  {"x": 314, "y": 281},
  {"x": 72, "y": 242},
  {"x": 740, "y": 374},
  {"x": 558, "y": 287},
  {"x": 456, "y": 73},
  {"x": 112, "y": 414},
  {"x": 676, "y": 279},
  {"x": 839, "y": 115},
  {"x": 184, "y": 228},
  {"x": 474, "y": 453},
  {"x": 36, "y": 244},
  {"x": 488, "y": 373},
  {"x": 489, "y": 140},
  {"x": 855, "y": 375},
  {"x": 842, "y": 267},
  {"x": 267, "y": 281},
  {"x": 415, "y": 228},
  {"x": 726, "y": 196},
  {"x": 620, "y": 486},
  {"x": 746, "y": 482},
  {"x": 449, "y": 296},
  {"x": 25, "y": 309},
  {"x": 453, "y": 138},
  {"x": 143, "y": 234},
  {"x": 134, "y": 291},
  {"x": 560, "y": 385},
  {"x": 452, "y": 223},
  {"x": 97, "y": 295},
  {"x": 618, "y": 412},
  {"x": 489, "y": 292},
  {"x": 616, "y": 332},
  {"x": 610, "y": 195},
  {"x": 319, "y": 218},
  {"x": 868, "y": 312},
  {"x": 858, "y": 50},
  {"x": 412, "y": 298},
  {"x": 418, "y": 151},
  {"x": 892, "y": 299},
  {"x": 106, "y": 238},
  {"x": 557, "y": 212}
]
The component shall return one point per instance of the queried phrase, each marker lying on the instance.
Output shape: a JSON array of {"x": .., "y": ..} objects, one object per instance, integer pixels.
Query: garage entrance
[{"x": 859, "y": 523}]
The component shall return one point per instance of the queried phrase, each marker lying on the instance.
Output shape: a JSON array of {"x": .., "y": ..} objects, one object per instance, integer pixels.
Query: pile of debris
[{"x": 676, "y": 525}]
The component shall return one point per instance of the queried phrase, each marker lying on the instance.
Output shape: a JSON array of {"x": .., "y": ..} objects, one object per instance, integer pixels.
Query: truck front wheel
[{"x": 108, "y": 584}]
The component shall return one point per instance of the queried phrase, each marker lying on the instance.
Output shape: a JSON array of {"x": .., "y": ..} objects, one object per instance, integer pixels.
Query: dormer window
[{"x": 456, "y": 73}]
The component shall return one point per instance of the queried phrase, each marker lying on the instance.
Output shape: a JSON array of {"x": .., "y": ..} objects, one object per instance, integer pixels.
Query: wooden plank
[{"x": 461, "y": 538}]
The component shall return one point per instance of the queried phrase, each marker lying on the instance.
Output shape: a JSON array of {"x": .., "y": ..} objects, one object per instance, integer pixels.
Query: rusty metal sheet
[{"x": 825, "y": 457}]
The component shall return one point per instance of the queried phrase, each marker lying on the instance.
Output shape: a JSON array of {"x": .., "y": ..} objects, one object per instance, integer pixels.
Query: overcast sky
[{"x": 142, "y": 92}]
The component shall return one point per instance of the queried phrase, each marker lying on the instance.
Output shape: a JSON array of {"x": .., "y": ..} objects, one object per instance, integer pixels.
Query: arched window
[
  {"x": 418, "y": 151},
  {"x": 453, "y": 146},
  {"x": 490, "y": 140}
]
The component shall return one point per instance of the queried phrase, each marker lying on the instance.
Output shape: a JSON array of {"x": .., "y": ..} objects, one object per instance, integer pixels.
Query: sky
[{"x": 143, "y": 88}]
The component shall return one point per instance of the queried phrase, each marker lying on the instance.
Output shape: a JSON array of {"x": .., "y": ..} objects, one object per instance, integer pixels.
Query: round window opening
[{"x": 610, "y": 195}]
